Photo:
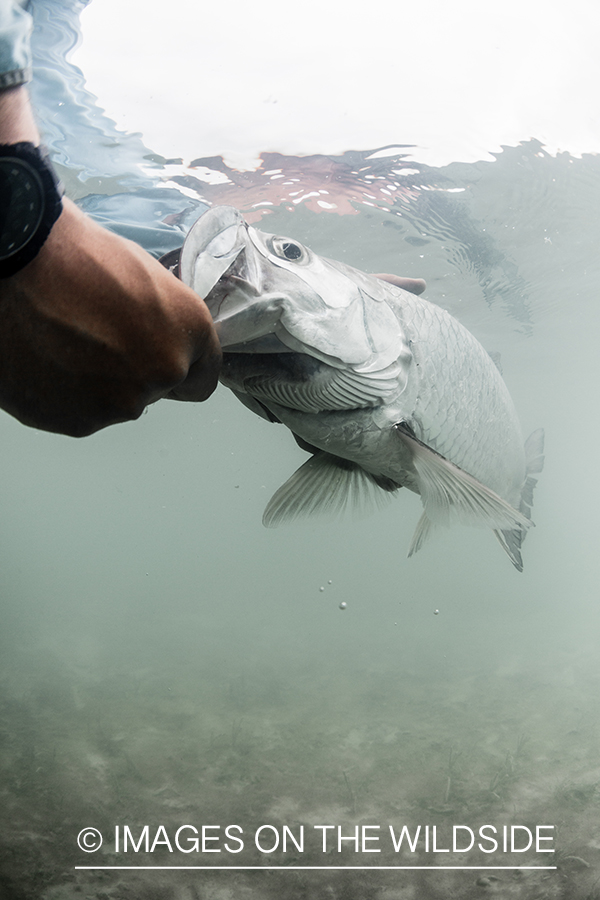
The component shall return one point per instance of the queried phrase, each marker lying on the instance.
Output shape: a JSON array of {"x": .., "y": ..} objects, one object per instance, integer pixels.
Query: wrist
[
  {"x": 17, "y": 122},
  {"x": 30, "y": 204}
]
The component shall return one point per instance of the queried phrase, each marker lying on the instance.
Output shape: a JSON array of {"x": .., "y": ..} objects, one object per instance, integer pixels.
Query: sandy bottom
[{"x": 127, "y": 748}]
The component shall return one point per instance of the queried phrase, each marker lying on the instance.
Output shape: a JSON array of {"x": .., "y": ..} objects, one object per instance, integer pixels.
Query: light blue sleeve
[{"x": 15, "y": 54}]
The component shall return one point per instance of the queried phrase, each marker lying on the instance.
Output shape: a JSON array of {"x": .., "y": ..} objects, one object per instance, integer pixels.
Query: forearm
[{"x": 16, "y": 117}]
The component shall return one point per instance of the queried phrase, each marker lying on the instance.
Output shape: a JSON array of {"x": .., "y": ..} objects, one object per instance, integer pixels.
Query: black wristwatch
[{"x": 30, "y": 204}]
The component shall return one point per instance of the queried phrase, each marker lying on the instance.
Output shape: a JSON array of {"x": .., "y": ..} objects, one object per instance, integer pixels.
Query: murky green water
[{"x": 166, "y": 661}]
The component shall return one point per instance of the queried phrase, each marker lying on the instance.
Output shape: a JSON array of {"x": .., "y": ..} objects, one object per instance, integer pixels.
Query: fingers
[
  {"x": 203, "y": 370},
  {"x": 162, "y": 323},
  {"x": 191, "y": 327},
  {"x": 201, "y": 379},
  {"x": 199, "y": 384},
  {"x": 413, "y": 285}
]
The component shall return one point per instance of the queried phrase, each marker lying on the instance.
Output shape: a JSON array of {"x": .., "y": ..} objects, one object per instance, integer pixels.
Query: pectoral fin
[
  {"x": 449, "y": 493},
  {"x": 326, "y": 485}
]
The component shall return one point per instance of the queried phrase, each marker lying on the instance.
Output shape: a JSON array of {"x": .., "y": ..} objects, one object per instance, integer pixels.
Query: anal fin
[{"x": 422, "y": 533}]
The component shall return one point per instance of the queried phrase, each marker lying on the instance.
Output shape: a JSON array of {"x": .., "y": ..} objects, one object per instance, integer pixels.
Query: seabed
[{"x": 196, "y": 746}]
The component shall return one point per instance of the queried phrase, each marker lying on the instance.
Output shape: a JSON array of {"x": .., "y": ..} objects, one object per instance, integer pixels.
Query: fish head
[{"x": 271, "y": 294}]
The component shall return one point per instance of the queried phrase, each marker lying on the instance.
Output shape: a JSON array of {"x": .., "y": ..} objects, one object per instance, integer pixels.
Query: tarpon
[{"x": 383, "y": 388}]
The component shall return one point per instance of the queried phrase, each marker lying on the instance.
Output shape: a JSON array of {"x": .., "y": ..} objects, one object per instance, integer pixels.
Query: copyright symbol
[{"x": 89, "y": 840}]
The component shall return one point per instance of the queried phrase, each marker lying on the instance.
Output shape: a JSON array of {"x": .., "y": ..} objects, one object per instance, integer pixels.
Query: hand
[
  {"x": 413, "y": 285},
  {"x": 94, "y": 329}
]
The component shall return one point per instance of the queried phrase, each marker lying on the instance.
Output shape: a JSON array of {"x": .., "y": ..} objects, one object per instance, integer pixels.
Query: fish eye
[
  {"x": 287, "y": 249},
  {"x": 291, "y": 251}
]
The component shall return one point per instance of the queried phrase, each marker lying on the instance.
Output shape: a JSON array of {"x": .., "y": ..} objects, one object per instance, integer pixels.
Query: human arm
[{"x": 94, "y": 329}]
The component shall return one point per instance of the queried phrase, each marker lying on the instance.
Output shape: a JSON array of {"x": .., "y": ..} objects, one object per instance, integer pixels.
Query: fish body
[{"x": 383, "y": 388}]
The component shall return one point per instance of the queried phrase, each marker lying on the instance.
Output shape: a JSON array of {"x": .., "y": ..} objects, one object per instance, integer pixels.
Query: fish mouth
[
  {"x": 211, "y": 247},
  {"x": 233, "y": 291},
  {"x": 233, "y": 283},
  {"x": 246, "y": 316}
]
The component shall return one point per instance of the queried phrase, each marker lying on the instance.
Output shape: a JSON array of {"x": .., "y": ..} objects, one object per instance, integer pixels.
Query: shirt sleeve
[{"x": 15, "y": 55}]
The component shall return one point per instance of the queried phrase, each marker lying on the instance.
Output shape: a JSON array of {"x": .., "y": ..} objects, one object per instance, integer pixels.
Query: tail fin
[{"x": 512, "y": 540}]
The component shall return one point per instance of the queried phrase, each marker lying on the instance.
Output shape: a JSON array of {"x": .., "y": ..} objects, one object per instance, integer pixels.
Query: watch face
[{"x": 21, "y": 205}]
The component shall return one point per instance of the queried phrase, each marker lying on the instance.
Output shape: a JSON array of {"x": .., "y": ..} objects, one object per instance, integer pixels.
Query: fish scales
[{"x": 463, "y": 409}]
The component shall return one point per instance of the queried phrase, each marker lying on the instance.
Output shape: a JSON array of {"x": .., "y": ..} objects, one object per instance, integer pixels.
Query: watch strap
[{"x": 35, "y": 160}]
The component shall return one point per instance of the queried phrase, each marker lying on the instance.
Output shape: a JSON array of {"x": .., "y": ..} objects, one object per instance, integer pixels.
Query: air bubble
[{"x": 343, "y": 605}]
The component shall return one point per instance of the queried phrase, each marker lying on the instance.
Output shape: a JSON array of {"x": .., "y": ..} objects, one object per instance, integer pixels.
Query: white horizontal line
[{"x": 320, "y": 868}]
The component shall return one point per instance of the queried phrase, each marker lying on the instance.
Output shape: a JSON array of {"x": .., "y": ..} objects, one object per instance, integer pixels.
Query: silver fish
[{"x": 383, "y": 388}]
